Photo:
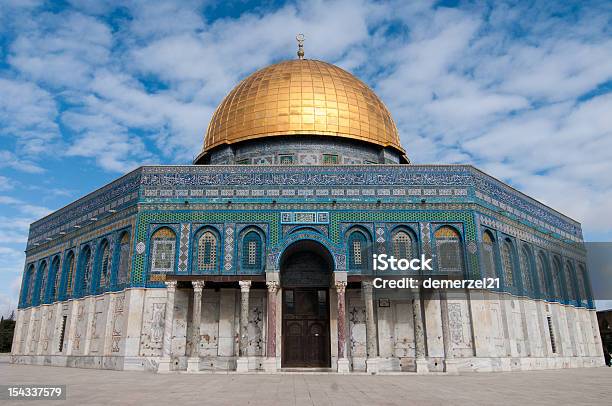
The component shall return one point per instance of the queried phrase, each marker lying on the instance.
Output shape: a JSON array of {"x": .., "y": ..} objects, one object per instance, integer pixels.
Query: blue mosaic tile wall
[{"x": 289, "y": 203}]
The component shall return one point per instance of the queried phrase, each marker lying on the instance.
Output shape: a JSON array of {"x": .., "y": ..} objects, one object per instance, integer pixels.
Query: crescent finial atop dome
[{"x": 300, "y": 41}]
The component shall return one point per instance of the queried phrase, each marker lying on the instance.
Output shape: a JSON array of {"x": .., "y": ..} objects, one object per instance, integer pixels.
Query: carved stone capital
[
  {"x": 245, "y": 286},
  {"x": 272, "y": 286},
  {"x": 367, "y": 286},
  {"x": 340, "y": 286},
  {"x": 197, "y": 286},
  {"x": 171, "y": 286}
]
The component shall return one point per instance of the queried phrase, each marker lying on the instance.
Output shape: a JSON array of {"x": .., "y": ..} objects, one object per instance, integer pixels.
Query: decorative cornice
[{"x": 389, "y": 184}]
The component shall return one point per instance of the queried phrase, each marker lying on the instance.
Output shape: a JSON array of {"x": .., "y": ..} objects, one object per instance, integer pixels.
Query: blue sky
[{"x": 90, "y": 89}]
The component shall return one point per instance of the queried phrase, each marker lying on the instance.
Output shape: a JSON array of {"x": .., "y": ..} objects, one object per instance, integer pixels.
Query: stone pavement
[{"x": 589, "y": 386}]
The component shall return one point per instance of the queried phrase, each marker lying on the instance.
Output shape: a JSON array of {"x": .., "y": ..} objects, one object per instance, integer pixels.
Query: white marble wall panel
[
  {"x": 181, "y": 322},
  {"x": 256, "y": 328},
  {"x": 403, "y": 343},
  {"x": 152, "y": 333},
  {"x": 459, "y": 326},
  {"x": 386, "y": 333},
  {"x": 209, "y": 325},
  {"x": 357, "y": 327},
  {"x": 98, "y": 325},
  {"x": 49, "y": 330},
  {"x": 117, "y": 333},
  {"x": 228, "y": 337},
  {"x": 133, "y": 323},
  {"x": 433, "y": 325},
  {"x": 80, "y": 328}
]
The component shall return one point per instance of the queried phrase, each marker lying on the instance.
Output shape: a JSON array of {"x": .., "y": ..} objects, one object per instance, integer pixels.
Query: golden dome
[{"x": 302, "y": 97}]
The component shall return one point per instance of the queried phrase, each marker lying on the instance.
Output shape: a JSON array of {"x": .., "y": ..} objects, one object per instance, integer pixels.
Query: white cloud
[
  {"x": 497, "y": 86},
  {"x": 28, "y": 114},
  {"x": 6, "y": 183},
  {"x": 24, "y": 207},
  {"x": 10, "y": 160}
]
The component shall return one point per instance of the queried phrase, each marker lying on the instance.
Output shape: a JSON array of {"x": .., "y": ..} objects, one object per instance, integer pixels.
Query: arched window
[
  {"x": 508, "y": 262},
  {"x": 123, "y": 271},
  {"x": 85, "y": 270},
  {"x": 104, "y": 265},
  {"x": 449, "y": 249},
  {"x": 358, "y": 251},
  {"x": 526, "y": 269},
  {"x": 541, "y": 273},
  {"x": 559, "y": 283},
  {"x": 252, "y": 251},
  {"x": 403, "y": 246},
  {"x": 55, "y": 275},
  {"x": 488, "y": 254},
  {"x": 583, "y": 283},
  {"x": 572, "y": 289},
  {"x": 29, "y": 285},
  {"x": 164, "y": 242},
  {"x": 69, "y": 267},
  {"x": 42, "y": 286},
  {"x": 207, "y": 251}
]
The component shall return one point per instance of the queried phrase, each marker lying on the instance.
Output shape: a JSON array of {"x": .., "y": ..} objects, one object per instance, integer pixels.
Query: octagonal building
[{"x": 258, "y": 257}]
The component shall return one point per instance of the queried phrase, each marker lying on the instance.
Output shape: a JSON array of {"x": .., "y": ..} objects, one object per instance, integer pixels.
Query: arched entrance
[{"x": 306, "y": 268}]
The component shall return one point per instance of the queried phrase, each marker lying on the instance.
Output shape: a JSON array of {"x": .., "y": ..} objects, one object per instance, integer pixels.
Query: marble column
[
  {"x": 270, "y": 362},
  {"x": 419, "y": 334},
  {"x": 450, "y": 365},
  {"x": 193, "y": 362},
  {"x": 242, "y": 364},
  {"x": 371, "y": 342},
  {"x": 343, "y": 363},
  {"x": 165, "y": 361}
]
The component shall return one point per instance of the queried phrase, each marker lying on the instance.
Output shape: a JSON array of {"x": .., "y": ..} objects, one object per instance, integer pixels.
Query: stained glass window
[
  {"x": 540, "y": 269},
  {"x": 572, "y": 289},
  {"x": 582, "y": 283},
  {"x": 252, "y": 251},
  {"x": 85, "y": 258},
  {"x": 448, "y": 245},
  {"x": 402, "y": 245},
  {"x": 70, "y": 269},
  {"x": 526, "y": 270},
  {"x": 29, "y": 285},
  {"x": 508, "y": 263},
  {"x": 164, "y": 241},
  {"x": 558, "y": 280},
  {"x": 123, "y": 271},
  {"x": 43, "y": 283},
  {"x": 358, "y": 251},
  {"x": 105, "y": 266},
  {"x": 286, "y": 159},
  {"x": 56, "y": 279},
  {"x": 330, "y": 159},
  {"x": 207, "y": 252},
  {"x": 488, "y": 248}
]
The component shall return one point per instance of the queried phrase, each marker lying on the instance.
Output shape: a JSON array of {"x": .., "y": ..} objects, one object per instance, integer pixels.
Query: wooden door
[{"x": 305, "y": 328}]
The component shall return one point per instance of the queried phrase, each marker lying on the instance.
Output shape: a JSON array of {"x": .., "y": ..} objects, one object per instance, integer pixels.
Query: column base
[
  {"x": 269, "y": 365},
  {"x": 164, "y": 365},
  {"x": 242, "y": 364},
  {"x": 450, "y": 367},
  {"x": 344, "y": 366},
  {"x": 372, "y": 366},
  {"x": 422, "y": 367},
  {"x": 193, "y": 364}
]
